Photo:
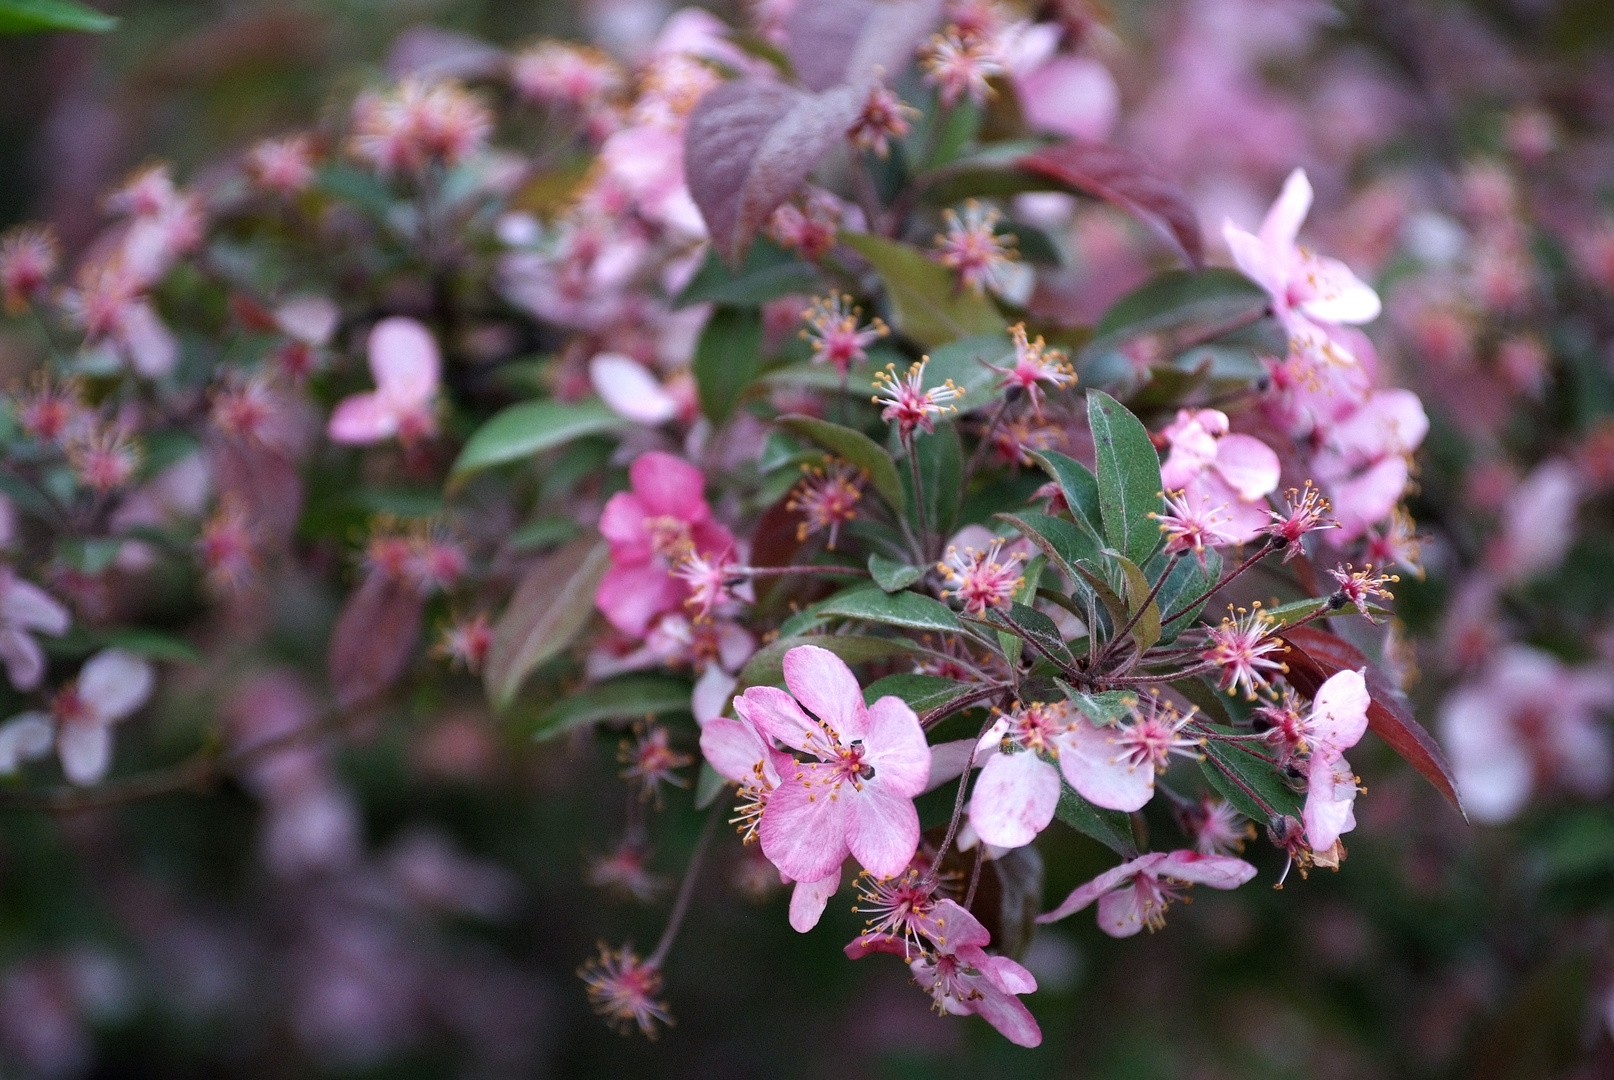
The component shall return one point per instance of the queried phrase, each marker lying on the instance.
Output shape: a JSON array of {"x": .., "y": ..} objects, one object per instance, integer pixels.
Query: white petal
[{"x": 115, "y": 683}]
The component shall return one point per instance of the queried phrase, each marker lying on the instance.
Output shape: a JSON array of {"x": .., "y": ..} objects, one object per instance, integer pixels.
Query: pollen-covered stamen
[
  {"x": 51, "y": 411},
  {"x": 1037, "y": 726},
  {"x": 1154, "y": 735},
  {"x": 1307, "y": 512},
  {"x": 1192, "y": 525},
  {"x": 625, "y": 990},
  {"x": 709, "y": 578},
  {"x": 651, "y": 761},
  {"x": 827, "y": 498},
  {"x": 972, "y": 247},
  {"x": 1241, "y": 647},
  {"x": 884, "y": 117},
  {"x": 1396, "y": 544},
  {"x": 1217, "y": 828},
  {"x": 832, "y": 328},
  {"x": 1034, "y": 364},
  {"x": 981, "y": 579},
  {"x": 1289, "y": 836},
  {"x": 950, "y": 984},
  {"x": 907, "y": 403},
  {"x": 899, "y": 907},
  {"x": 753, "y": 799},
  {"x": 1154, "y": 896},
  {"x": 103, "y": 460},
  {"x": 960, "y": 64},
  {"x": 670, "y": 537},
  {"x": 1357, "y": 586},
  {"x": 1287, "y": 732}
]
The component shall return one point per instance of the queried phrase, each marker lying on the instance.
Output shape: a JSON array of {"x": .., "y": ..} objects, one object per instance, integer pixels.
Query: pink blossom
[
  {"x": 1240, "y": 646},
  {"x": 1363, "y": 461},
  {"x": 960, "y": 65},
  {"x": 1337, "y": 721},
  {"x": 1137, "y": 893},
  {"x": 1193, "y": 523},
  {"x": 28, "y": 258},
  {"x": 1073, "y": 96},
  {"x": 1529, "y": 722},
  {"x": 1538, "y": 522},
  {"x": 832, "y": 328},
  {"x": 632, "y": 390},
  {"x": 404, "y": 361},
  {"x": 653, "y": 527},
  {"x": 972, "y": 248},
  {"x": 283, "y": 166},
  {"x": 907, "y": 403},
  {"x": 827, "y": 498},
  {"x": 864, "y": 765},
  {"x": 1222, "y": 469},
  {"x": 26, "y": 609},
  {"x": 981, "y": 579},
  {"x": 1035, "y": 363},
  {"x": 1307, "y": 290},
  {"x": 111, "y": 686},
  {"x": 626, "y": 991},
  {"x": 884, "y": 117}
]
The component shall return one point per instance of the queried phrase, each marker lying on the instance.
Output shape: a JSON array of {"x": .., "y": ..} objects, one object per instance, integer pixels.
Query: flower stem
[
  {"x": 686, "y": 890},
  {"x": 1260, "y": 553}
]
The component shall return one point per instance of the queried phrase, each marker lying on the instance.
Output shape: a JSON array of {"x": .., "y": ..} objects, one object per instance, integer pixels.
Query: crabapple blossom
[
  {"x": 907, "y": 404},
  {"x": 963, "y": 979},
  {"x": 1217, "y": 468},
  {"x": 1137, "y": 893},
  {"x": 832, "y": 328},
  {"x": 972, "y": 248},
  {"x": 1035, "y": 363},
  {"x": 827, "y": 497},
  {"x": 626, "y": 991},
  {"x": 1337, "y": 721},
  {"x": 112, "y": 685},
  {"x": 961, "y": 65},
  {"x": 982, "y": 579},
  {"x": 407, "y": 369},
  {"x": 863, "y": 766},
  {"x": 28, "y": 259},
  {"x": 1240, "y": 647},
  {"x": 884, "y": 117},
  {"x": 1193, "y": 523},
  {"x": 26, "y": 609}
]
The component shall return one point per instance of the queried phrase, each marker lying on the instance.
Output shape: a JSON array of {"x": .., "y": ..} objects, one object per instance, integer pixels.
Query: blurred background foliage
[{"x": 149, "y": 942}]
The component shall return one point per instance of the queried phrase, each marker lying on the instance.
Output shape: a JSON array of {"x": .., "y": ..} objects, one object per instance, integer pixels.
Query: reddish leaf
[
  {"x": 430, "y": 52},
  {"x": 750, "y": 144},
  {"x": 374, "y": 638},
  {"x": 830, "y": 42},
  {"x": 264, "y": 484},
  {"x": 1117, "y": 175},
  {"x": 550, "y": 608},
  {"x": 1315, "y": 654}
]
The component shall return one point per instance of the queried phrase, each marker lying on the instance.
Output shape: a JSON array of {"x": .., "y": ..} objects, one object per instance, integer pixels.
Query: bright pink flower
[
  {"x": 1359, "y": 586},
  {"x": 864, "y": 765},
  {"x": 710, "y": 579},
  {"x": 626, "y": 991},
  {"x": 884, "y": 117},
  {"x": 827, "y": 498},
  {"x": 1240, "y": 646},
  {"x": 981, "y": 579},
  {"x": 1193, "y": 523},
  {"x": 907, "y": 403},
  {"x": 1035, "y": 363},
  {"x": 1234, "y": 471},
  {"x": 972, "y": 248},
  {"x": 109, "y": 688},
  {"x": 832, "y": 328},
  {"x": 1529, "y": 723},
  {"x": 1137, "y": 893},
  {"x": 651, "y": 529},
  {"x": 1337, "y": 721},
  {"x": 26, "y": 609},
  {"x": 404, "y": 361},
  {"x": 1308, "y": 291},
  {"x": 1306, "y": 512}
]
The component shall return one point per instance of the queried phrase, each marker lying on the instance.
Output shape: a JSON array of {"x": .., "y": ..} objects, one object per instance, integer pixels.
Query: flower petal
[
  {"x": 405, "y": 363},
  {"x": 826, "y": 687},
  {"x": 882, "y": 829},
  {"x": 361, "y": 419},
  {"x": 1087, "y": 757},
  {"x": 115, "y": 683},
  {"x": 777, "y": 716},
  {"x": 26, "y": 737},
  {"x": 1123, "y": 912},
  {"x": 1014, "y": 799},
  {"x": 26, "y": 605},
  {"x": 732, "y": 748},
  {"x": 1084, "y": 895},
  {"x": 1281, "y": 228},
  {"x": 669, "y": 486},
  {"x": 803, "y": 831},
  {"x": 1248, "y": 465},
  {"x": 631, "y": 596},
  {"x": 711, "y": 695},
  {"x": 85, "y": 749},
  {"x": 1217, "y": 871},
  {"x": 630, "y": 390},
  {"x": 1339, "y": 711},
  {"x": 808, "y": 900},
  {"x": 23, "y": 658},
  {"x": 896, "y": 748}
]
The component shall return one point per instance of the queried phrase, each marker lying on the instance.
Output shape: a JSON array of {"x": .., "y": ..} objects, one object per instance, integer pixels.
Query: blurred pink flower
[
  {"x": 404, "y": 361},
  {"x": 1232, "y": 471},
  {"x": 26, "y": 609},
  {"x": 1137, "y": 893},
  {"x": 111, "y": 686}
]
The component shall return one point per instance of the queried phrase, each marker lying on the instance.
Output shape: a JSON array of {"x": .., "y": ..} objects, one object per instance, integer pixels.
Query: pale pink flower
[
  {"x": 28, "y": 737},
  {"x": 562, "y": 73},
  {"x": 960, "y": 66},
  {"x": 832, "y": 328},
  {"x": 107, "y": 302},
  {"x": 1337, "y": 721},
  {"x": 103, "y": 459},
  {"x": 28, "y": 258},
  {"x": 1240, "y": 647},
  {"x": 464, "y": 643},
  {"x": 406, "y": 367},
  {"x": 972, "y": 248},
  {"x": 864, "y": 765},
  {"x": 626, "y": 991},
  {"x": 228, "y": 546},
  {"x": 1357, "y": 587},
  {"x": 1193, "y": 523},
  {"x": 1306, "y": 512},
  {"x": 1538, "y": 522},
  {"x": 1073, "y": 96},
  {"x": 809, "y": 225},
  {"x": 981, "y": 579},
  {"x": 1364, "y": 459},
  {"x": 632, "y": 391},
  {"x": 1528, "y": 723},
  {"x": 650, "y": 761},
  {"x": 282, "y": 166},
  {"x": 1222, "y": 469},
  {"x": 900, "y": 907},
  {"x": 110, "y": 687},
  {"x": 1034, "y": 364},
  {"x": 907, "y": 403},
  {"x": 25, "y": 610},
  {"x": 651, "y": 529},
  {"x": 963, "y": 979},
  {"x": 884, "y": 117},
  {"x": 1216, "y": 827},
  {"x": 51, "y": 412},
  {"x": 1307, "y": 290},
  {"x": 1137, "y": 893},
  {"x": 419, "y": 123}
]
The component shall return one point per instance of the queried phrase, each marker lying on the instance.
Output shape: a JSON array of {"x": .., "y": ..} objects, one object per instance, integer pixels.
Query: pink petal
[
  {"x": 732, "y": 748},
  {"x": 803, "y": 831},
  {"x": 1217, "y": 871},
  {"x": 28, "y": 607},
  {"x": 1339, "y": 711},
  {"x": 669, "y": 486},
  {"x": 115, "y": 683},
  {"x": 1248, "y": 465},
  {"x": 1084, "y": 895},
  {"x": 85, "y": 750},
  {"x": 1123, "y": 912},
  {"x": 1327, "y": 814},
  {"x": 896, "y": 748},
  {"x": 1009, "y": 976},
  {"x": 1281, "y": 228},
  {"x": 622, "y": 523},
  {"x": 1074, "y": 96},
  {"x": 631, "y": 596},
  {"x": 1339, "y": 296},
  {"x": 953, "y": 927},
  {"x": 808, "y": 900},
  {"x": 1492, "y": 765},
  {"x": 1367, "y": 499},
  {"x": 1258, "y": 264},
  {"x": 1014, "y": 799},
  {"x": 711, "y": 695},
  {"x": 882, "y": 829},
  {"x": 1009, "y": 1016},
  {"x": 629, "y": 388},
  {"x": 948, "y": 759},
  {"x": 361, "y": 419},
  {"x": 309, "y": 319},
  {"x": 27, "y": 737},
  {"x": 404, "y": 361},
  {"x": 1087, "y": 757},
  {"x": 151, "y": 345},
  {"x": 23, "y": 658},
  {"x": 777, "y": 716},
  {"x": 826, "y": 687}
]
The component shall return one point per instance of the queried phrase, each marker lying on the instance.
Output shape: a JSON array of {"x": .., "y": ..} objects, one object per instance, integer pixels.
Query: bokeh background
[{"x": 151, "y": 940}]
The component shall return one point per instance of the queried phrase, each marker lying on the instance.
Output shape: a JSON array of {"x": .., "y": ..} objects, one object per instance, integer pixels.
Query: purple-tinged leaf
[
  {"x": 430, "y": 52},
  {"x": 373, "y": 638},
  {"x": 830, "y": 42},
  {"x": 1120, "y": 176},
  {"x": 550, "y": 608},
  {"x": 750, "y": 144}
]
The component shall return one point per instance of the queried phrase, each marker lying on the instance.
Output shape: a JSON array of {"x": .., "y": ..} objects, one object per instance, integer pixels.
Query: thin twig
[
  {"x": 686, "y": 890},
  {"x": 1260, "y": 553}
]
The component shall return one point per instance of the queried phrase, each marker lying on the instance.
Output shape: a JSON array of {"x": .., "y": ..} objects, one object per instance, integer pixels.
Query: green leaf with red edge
[
  {"x": 1125, "y": 179},
  {"x": 1314, "y": 655}
]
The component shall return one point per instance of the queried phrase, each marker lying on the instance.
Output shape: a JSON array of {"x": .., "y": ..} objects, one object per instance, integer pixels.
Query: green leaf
[
  {"x": 941, "y": 470},
  {"x": 151, "y": 643},
  {"x": 1111, "y": 828},
  {"x": 1185, "y": 301},
  {"x": 965, "y": 363},
  {"x": 891, "y": 575},
  {"x": 1188, "y": 580},
  {"x": 1037, "y": 628},
  {"x": 631, "y": 697},
  {"x": 36, "y": 16},
  {"x": 768, "y": 273},
  {"x": 922, "y": 692},
  {"x": 855, "y": 447},
  {"x": 532, "y": 427},
  {"x": 88, "y": 555},
  {"x": 906, "y": 609},
  {"x": 550, "y": 608},
  {"x": 1128, "y": 477},
  {"x": 1247, "y": 781},
  {"x": 926, "y": 303},
  {"x": 1063, "y": 543},
  {"x": 709, "y": 784},
  {"x": 727, "y": 358},
  {"x": 1146, "y": 631},
  {"x": 1104, "y": 709},
  {"x": 356, "y": 187},
  {"x": 766, "y": 664},
  {"x": 1079, "y": 485},
  {"x": 553, "y": 529},
  {"x": 959, "y": 125}
]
